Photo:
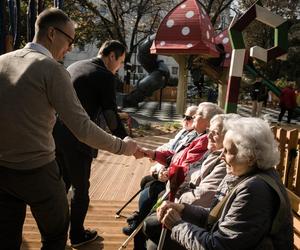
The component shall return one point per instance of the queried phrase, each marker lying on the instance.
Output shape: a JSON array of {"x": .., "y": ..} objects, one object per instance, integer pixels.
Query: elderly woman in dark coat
[{"x": 251, "y": 210}]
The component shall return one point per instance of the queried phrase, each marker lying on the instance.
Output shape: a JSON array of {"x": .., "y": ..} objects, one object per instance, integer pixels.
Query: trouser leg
[
  {"x": 50, "y": 209},
  {"x": 44, "y": 191},
  {"x": 61, "y": 161},
  {"x": 282, "y": 111},
  {"x": 139, "y": 241},
  {"x": 259, "y": 108},
  {"x": 148, "y": 198},
  {"x": 80, "y": 168},
  {"x": 290, "y": 115},
  {"x": 254, "y": 108},
  {"x": 12, "y": 215}
]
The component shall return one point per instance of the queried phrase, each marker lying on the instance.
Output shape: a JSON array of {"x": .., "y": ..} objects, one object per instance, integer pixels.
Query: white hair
[
  {"x": 192, "y": 109},
  {"x": 255, "y": 142},
  {"x": 224, "y": 119},
  {"x": 209, "y": 109}
]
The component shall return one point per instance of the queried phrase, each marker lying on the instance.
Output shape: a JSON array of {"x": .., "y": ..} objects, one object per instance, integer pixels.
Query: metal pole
[
  {"x": 162, "y": 238},
  {"x": 125, "y": 205},
  {"x": 158, "y": 203}
]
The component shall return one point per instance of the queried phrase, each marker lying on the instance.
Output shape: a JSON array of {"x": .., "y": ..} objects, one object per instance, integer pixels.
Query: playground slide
[
  {"x": 158, "y": 74},
  {"x": 268, "y": 83}
]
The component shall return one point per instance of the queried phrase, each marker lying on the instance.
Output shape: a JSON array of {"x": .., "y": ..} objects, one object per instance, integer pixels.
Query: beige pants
[{"x": 256, "y": 108}]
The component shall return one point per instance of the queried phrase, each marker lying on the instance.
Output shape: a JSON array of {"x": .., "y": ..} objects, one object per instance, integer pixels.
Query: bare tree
[{"x": 128, "y": 21}]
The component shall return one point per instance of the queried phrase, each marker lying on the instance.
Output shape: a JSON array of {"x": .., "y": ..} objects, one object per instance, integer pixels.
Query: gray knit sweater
[{"x": 33, "y": 87}]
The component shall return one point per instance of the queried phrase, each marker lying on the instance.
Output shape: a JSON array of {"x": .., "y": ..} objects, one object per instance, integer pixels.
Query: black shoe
[
  {"x": 131, "y": 227},
  {"x": 133, "y": 217},
  {"x": 88, "y": 236}
]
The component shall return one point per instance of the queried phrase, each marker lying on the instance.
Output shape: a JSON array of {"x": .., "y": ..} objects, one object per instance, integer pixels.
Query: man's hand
[{"x": 131, "y": 146}]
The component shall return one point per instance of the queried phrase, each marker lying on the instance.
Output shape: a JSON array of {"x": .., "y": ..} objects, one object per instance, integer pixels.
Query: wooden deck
[{"x": 114, "y": 180}]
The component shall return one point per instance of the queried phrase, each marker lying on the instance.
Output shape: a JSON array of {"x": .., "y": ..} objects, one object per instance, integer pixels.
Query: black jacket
[{"x": 96, "y": 89}]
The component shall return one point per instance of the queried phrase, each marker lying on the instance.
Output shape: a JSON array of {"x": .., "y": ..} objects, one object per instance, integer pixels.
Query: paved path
[{"x": 149, "y": 111}]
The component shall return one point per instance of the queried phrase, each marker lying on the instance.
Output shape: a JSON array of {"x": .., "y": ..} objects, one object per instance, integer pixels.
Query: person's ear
[
  {"x": 112, "y": 56},
  {"x": 50, "y": 33}
]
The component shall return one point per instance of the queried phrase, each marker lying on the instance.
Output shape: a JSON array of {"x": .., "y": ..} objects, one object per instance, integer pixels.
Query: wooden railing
[{"x": 289, "y": 170}]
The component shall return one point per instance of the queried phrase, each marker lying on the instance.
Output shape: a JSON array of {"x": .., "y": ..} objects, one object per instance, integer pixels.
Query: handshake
[{"x": 138, "y": 152}]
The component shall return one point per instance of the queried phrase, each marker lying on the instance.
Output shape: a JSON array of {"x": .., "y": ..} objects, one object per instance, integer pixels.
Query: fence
[{"x": 288, "y": 169}]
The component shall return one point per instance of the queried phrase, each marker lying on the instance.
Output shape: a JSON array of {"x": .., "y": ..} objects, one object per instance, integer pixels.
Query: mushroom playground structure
[{"x": 187, "y": 35}]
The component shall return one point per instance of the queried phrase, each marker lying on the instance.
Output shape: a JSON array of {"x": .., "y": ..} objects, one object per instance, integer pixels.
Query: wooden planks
[{"x": 114, "y": 179}]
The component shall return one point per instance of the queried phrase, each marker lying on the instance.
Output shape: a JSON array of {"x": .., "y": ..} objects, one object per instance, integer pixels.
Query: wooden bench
[{"x": 289, "y": 171}]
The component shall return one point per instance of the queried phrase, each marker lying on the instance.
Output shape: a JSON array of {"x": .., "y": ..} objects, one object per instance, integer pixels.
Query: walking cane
[
  {"x": 176, "y": 178},
  {"x": 125, "y": 205},
  {"x": 134, "y": 233}
]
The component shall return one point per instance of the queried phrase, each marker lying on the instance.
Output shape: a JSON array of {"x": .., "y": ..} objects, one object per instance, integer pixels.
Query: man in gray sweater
[{"x": 33, "y": 88}]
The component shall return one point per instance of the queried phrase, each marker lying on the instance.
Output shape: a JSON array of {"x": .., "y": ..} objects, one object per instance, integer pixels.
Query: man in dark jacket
[
  {"x": 94, "y": 82},
  {"x": 258, "y": 95}
]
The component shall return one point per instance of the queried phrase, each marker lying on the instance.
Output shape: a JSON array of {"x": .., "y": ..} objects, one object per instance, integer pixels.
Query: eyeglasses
[
  {"x": 187, "y": 117},
  {"x": 212, "y": 132},
  {"x": 64, "y": 33}
]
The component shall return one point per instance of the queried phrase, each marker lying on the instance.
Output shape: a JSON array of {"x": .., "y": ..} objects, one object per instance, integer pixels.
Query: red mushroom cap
[
  {"x": 223, "y": 39},
  {"x": 186, "y": 30}
]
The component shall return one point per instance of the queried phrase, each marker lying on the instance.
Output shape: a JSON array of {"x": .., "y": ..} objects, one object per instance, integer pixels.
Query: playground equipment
[
  {"x": 158, "y": 74},
  {"x": 186, "y": 34}
]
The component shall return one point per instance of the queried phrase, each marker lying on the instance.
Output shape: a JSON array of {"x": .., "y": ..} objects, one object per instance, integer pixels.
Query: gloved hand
[{"x": 130, "y": 147}]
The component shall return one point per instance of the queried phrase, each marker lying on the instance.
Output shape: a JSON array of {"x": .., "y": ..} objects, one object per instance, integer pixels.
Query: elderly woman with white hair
[{"x": 251, "y": 209}]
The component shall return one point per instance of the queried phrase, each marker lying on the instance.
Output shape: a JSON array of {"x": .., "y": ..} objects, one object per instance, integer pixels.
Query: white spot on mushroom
[
  {"x": 170, "y": 23},
  {"x": 202, "y": 16},
  {"x": 162, "y": 43},
  {"x": 209, "y": 27},
  {"x": 185, "y": 31},
  {"x": 182, "y": 6},
  {"x": 221, "y": 35},
  {"x": 189, "y": 45},
  {"x": 227, "y": 55},
  {"x": 225, "y": 40},
  {"x": 189, "y": 14}
]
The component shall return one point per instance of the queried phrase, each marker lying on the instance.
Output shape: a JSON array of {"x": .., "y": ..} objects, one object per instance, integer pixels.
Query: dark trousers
[
  {"x": 147, "y": 200},
  {"x": 282, "y": 112},
  {"x": 44, "y": 191},
  {"x": 152, "y": 229},
  {"x": 76, "y": 168}
]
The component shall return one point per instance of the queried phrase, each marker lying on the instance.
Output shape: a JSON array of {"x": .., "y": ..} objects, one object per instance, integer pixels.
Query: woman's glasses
[{"x": 187, "y": 117}]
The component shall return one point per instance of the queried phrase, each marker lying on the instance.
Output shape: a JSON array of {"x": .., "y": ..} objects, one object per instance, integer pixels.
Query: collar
[
  {"x": 99, "y": 61},
  {"x": 39, "y": 48}
]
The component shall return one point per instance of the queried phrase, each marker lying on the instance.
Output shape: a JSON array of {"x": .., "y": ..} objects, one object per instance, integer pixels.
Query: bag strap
[
  {"x": 280, "y": 215},
  {"x": 215, "y": 213}
]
